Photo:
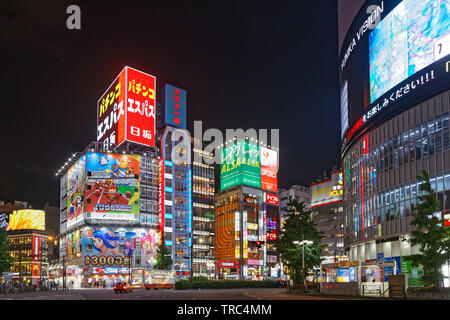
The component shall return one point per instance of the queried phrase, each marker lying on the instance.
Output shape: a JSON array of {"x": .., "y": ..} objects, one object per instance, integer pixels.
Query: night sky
[{"x": 245, "y": 64}]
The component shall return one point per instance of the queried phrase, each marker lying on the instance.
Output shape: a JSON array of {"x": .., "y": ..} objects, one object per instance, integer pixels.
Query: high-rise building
[
  {"x": 203, "y": 264},
  {"x": 28, "y": 242},
  {"x": 327, "y": 214},
  {"x": 295, "y": 192},
  {"x": 246, "y": 212},
  {"x": 395, "y": 107}
]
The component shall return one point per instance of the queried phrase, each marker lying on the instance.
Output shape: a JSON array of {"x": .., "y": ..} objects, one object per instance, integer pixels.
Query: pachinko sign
[
  {"x": 112, "y": 190},
  {"x": 126, "y": 111}
]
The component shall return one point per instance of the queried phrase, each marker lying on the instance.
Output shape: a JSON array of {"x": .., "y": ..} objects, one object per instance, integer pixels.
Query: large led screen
[
  {"x": 241, "y": 164},
  {"x": 414, "y": 35},
  {"x": 395, "y": 56},
  {"x": 112, "y": 190},
  {"x": 26, "y": 219}
]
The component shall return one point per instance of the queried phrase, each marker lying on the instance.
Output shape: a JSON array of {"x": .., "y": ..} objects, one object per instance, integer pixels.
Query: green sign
[
  {"x": 241, "y": 164},
  {"x": 414, "y": 274}
]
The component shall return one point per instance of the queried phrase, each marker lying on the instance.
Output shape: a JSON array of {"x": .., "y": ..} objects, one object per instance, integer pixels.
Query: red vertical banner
[
  {"x": 35, "y": 247},
  {"x": 269, "y": 169},
  {"x": 140, "y": 107},
  {"x": 161, "y": 198}
]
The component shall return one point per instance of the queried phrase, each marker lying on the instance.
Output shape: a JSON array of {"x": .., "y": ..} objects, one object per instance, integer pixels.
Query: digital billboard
[
  {"x": 327, "y": 191},
  {"x": 112, "y": 189},
  {"x": 269, "y": 169},
  {"x": 240, "y": 164},
  {"x": 395, "y": 55},
  {"x": 126, "y": 111},
  {"x": 76, "y": 185},
  {"x": 174, "y": 105},
  {"x": 26, "y": 219},
  {"x": 117, "y": 246}
]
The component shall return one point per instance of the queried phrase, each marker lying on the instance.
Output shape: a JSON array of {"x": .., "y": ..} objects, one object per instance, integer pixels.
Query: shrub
[{"x": 223, "y": 284}]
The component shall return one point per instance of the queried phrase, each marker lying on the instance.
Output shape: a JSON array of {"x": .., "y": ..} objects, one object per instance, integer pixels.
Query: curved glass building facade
[{"x": 395, "y": 113}]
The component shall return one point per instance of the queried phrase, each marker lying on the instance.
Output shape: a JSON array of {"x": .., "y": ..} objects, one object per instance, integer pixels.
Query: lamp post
[{"x": 303, "y": 243}]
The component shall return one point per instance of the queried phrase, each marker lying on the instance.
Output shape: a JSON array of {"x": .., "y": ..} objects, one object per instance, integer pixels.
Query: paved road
[{"x": 141, "y": 294}]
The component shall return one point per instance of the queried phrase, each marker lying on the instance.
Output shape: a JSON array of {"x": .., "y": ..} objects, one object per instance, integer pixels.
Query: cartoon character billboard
[
  {"x": 76, "y": 183},
  {"x": 112, "y": 190},
  {"x": 117, "y": 247}
]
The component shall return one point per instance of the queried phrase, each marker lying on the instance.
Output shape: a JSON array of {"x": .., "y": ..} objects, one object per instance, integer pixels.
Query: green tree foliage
[
  {"x": 163, "y": 257},
  {"x": 5, "y": 258},
  {"x": 433, "y": 240},
  {"x": 298, "y": 227}
]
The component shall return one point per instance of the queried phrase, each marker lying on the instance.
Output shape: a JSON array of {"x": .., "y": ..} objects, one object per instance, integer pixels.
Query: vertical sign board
[
  {"x": 161, "y": 198},
  {"x": 111, "y": 108},
  {"x": 126, "y": 111},
  {"x": 174, "y": 105},
  {"x": 269, "y": 169},
  {"x": 140, "y": 102}
]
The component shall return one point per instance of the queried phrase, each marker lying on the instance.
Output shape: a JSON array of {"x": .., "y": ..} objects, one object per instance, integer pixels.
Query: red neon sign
[
  {"x": 161, "y": 199},
  {"x": 272, "y": 199},
  {"x": 140, "y": 106}
]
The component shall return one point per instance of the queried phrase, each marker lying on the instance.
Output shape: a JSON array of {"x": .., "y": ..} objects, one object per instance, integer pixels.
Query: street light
[{"x": 303, "y": 243}]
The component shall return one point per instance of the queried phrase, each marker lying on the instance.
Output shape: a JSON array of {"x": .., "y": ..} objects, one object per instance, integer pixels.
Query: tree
[
  {"x": 163, "y": 257},
  {"x": 432, "y": 238},
  {"x": 5, "y": 258},
  {"x": 298, "y": 227}
]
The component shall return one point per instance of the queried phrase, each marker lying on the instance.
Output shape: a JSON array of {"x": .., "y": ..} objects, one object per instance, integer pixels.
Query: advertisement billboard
[
  {"x": 269, "y": 169},
  {"x": 126, "y": 111},
  {"x": 112, "y": 189},
  {"x": 4, "y": 220},
  {"x": 240, "y": 165},
  {"x": 272, "y": 199},
  {"x": 327, "y": 191},
  {"x": 174, "y": 105},
  {"x": 76, "y": 185},
  {"x": 111, "y": 109},
  {"x": 141, "y": 105},
  {"x": 117, "y": 246},
  {"x": 26, "y": 219},
  {"x": 395, "y": 55}
]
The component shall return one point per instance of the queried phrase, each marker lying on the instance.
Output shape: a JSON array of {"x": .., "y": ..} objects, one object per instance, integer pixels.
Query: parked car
[{"x": 122, "y": 287}]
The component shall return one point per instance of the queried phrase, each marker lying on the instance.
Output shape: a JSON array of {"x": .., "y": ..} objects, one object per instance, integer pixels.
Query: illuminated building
[
  {"x": 246, "y": 214},
  {"x": 203, "y": 264},
  {"x": 176, "y": 180},
  {"x": 110, "y": 213},
  {"x": 176, "y": 197},
  {"x": 327, "y": 214},
  {"x": 28, "y": 241},
  {"x": 109, "y": 217},
  {"x": 395, "y": 81}
]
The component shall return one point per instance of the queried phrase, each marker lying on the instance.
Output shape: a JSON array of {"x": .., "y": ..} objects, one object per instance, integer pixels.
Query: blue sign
[
  {"x": 380, "y": 257},
  {"x": 174, "y": 105}
]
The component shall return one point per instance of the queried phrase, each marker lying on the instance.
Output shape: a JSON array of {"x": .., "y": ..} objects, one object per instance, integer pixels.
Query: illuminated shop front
[{"x": 395, "y": 123}]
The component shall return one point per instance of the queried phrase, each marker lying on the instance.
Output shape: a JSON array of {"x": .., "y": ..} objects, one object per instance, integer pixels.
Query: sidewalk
[{"x": 281, "y": 294}]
